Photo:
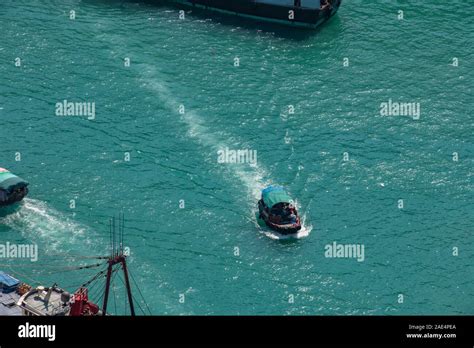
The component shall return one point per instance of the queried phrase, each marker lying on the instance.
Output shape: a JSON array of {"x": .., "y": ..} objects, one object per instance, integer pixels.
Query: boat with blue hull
[{"x": 305, "y": 13}]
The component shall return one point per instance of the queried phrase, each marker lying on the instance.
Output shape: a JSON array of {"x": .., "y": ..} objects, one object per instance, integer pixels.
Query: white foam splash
[
  {"x": 38, "y": 222},
  {"x": 303, "y": 233}
]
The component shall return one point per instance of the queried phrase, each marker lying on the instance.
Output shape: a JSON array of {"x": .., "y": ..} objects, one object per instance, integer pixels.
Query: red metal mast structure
[{"x": 117, "y": 257}]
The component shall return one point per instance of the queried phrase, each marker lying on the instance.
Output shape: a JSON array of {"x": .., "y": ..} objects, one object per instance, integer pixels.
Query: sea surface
[{"x": 213, "y": 81}]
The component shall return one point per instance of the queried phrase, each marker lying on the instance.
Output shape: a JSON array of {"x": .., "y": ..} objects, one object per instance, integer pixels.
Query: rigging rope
[
  {"x": 139, "y": 291},
  {"x": 134, "y": 299},
  {"x": 24, "y": 275}
]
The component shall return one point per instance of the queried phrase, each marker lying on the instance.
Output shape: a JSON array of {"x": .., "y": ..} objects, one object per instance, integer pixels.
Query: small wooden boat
[
  {"x": 12, "y": 188},
  {"x": 278, "y": 211}
]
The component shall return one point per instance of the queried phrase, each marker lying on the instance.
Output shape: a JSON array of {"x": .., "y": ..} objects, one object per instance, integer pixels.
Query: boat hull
[
  {"x": 303, "y": 16},
  {"x": 14, "y": 197},
  {"x": 286, "y": 229}
]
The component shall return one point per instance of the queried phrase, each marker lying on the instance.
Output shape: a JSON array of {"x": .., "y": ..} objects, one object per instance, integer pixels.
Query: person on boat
[
  {"x": 292, "y": 217},
  {"x": 289, "y": 214},
  {"x": 275, "y": 219},
  {"x": 325, "y": 4}
]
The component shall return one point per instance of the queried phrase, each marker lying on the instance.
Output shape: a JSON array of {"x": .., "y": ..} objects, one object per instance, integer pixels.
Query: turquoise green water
[{"x": 173, "y": 156}]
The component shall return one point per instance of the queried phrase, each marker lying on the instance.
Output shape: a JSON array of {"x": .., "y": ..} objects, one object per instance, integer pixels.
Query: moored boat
[
  {"x": 18, "y": 298},
  {"x": 21, "y": 299},
  {"x": 278, "y": 211},
  {"x": 306, "y": 13},
  {"x": 12, "y": 188}
]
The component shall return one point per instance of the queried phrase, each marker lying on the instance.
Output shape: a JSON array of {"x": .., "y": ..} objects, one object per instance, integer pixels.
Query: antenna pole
[
  {"x": 123, "y": 228},
  {"x": 121, "y": 224},
  {"x": 115, "y": 237},
  {"x": 107, "y": 287},
  {"x": 111, "y": 243}
]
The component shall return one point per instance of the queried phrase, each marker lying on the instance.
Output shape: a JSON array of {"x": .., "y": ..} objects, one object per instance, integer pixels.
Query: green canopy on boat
[
  {"x": 275, "y": 194},
  {"x": 10, "y": 182}
]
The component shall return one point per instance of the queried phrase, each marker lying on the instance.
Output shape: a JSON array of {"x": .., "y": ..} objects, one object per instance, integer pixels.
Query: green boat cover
[
  {"x": 9, "y": 181},
  {"x": 275, "y": 194}
]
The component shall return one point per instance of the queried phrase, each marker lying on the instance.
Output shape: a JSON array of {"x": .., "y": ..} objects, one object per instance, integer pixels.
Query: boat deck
[{"x": 8, "y": 304}]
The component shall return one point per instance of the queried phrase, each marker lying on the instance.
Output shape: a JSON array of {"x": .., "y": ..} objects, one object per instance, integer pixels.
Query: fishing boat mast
[
  {"x": 18, "y": 298},
  {"x": 117, "y": 257}
]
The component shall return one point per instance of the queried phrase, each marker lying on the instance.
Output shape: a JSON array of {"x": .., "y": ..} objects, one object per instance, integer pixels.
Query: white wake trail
[
  {"x": 252, "y": 177},
  {"x": 38, "y": 222}
]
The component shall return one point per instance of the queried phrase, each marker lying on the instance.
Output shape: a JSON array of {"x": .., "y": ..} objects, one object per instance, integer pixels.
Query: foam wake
[
  {"x": 54, "y": 231},
  {"x": 252, "y": 178}
]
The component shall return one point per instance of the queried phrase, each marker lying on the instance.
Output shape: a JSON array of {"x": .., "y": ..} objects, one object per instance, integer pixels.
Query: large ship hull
[{"x": 308, "y": 14}]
